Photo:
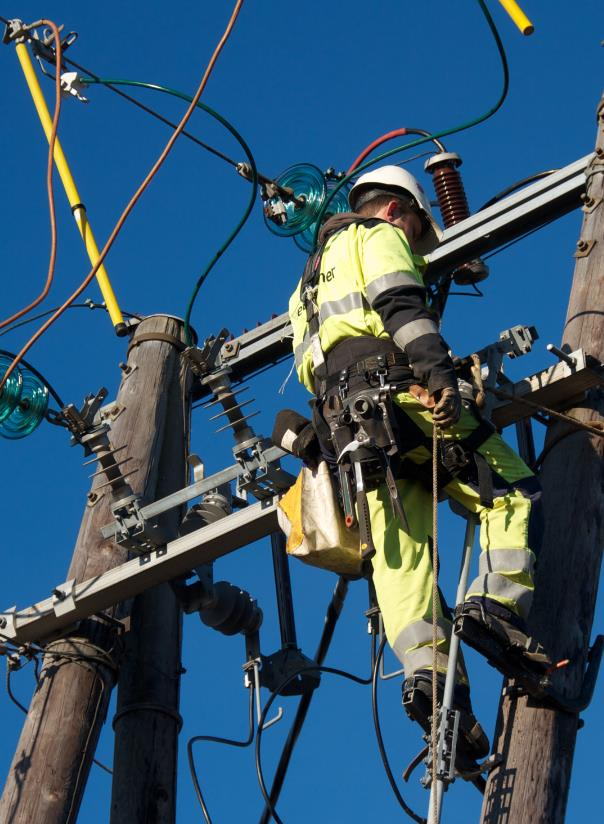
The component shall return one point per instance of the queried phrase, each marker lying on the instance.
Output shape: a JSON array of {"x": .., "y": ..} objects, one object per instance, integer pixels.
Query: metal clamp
[{"x": 132, "y": 529}]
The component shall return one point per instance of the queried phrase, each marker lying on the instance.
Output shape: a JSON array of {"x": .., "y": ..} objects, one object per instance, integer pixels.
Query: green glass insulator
[
  {"x": 29, "y": 410},
  {"x": 307, "y": 182},
  {"x": 11, "y": 391}
]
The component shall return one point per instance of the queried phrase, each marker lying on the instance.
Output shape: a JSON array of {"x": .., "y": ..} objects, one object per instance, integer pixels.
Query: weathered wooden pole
[
  {"x": 53, "y": 757},
  {"x": 147, "y": 721},
  {"x": 537, "y": 744}
]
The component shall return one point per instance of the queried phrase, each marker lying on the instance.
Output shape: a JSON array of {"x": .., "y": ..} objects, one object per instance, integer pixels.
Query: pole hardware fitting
[
  {"x": 127, "y": 369},
  {"x": 584, "y": 247},
  {"x": 203, "y": 360},
  {"x": 72, "y": 86},
  {"x": 448, "y": 727},
  {"x": 590, "y": 204},
  {"x": 16, "y": 31},
  {"x": 230, "y": 350},
  {"x": 561, "y": 355},
  {"x": 81, "y": 422},
  {"x": 132, "y": 529},
  {"x": 262, "y": 478}
]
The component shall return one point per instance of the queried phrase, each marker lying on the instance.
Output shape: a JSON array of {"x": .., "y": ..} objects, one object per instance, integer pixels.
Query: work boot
[
  {"x": 501, "y": 636},
  {"x": 472, "y": 742}
]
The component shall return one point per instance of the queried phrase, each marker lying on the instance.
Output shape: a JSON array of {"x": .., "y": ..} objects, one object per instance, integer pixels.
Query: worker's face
[{"x": 406, "y": 220}]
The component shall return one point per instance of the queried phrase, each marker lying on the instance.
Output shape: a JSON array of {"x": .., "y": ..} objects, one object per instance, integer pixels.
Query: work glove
[{"x": 448, "y": 407}]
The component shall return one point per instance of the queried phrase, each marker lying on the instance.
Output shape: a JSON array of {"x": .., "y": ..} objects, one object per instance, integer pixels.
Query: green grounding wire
[
  {"x": 468, "y": 125},
  {"x": 251, "y": 161}
]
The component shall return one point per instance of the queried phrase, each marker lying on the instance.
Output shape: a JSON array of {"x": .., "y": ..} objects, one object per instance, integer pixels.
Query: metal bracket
[
  {"x": 448, "y": 730},
  {"x": 203, "y": 360},
  {"x": 133, "y": 531},
  {"x": 80, "y": 422},
  {"x": 71, "y": 85},
  {"x": 260, "y": 477},
  {"x": 590, "y": 203},
  {"x": 584, "y": 247},
  {"x": 63, "y": 600}
]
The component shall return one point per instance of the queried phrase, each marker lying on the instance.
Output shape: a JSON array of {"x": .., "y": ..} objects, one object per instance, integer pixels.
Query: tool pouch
[{"x": 313, "y": 522}]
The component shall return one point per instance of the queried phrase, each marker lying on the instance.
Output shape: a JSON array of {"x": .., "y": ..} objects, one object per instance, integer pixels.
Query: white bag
[{"x": 311, "y": 518}]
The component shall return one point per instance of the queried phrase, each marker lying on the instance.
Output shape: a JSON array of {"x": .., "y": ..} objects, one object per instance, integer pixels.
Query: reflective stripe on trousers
[{"x": 402, "y": 566}]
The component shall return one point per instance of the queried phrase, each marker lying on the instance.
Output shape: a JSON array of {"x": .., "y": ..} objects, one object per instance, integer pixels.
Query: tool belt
[{"x": 390, "y": 433}]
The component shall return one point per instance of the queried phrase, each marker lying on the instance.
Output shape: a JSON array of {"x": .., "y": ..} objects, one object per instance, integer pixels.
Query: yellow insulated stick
[
  {"x": 518, "y": 16},
  {"x": 77, "y": 207}
]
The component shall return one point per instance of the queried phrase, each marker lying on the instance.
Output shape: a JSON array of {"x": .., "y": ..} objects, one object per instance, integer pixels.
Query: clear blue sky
[{"x": 307, "y": 82}]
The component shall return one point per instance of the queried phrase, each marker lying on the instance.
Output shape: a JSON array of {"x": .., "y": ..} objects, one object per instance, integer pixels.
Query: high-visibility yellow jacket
[{"x": 370, "y": 284}]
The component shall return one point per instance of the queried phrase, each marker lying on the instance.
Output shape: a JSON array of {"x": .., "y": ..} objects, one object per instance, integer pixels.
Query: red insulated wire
[{"x": 374, "y": 145}]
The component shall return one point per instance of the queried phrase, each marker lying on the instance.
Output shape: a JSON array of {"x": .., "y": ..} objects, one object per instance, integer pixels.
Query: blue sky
[{"x": 310, "y": 82}]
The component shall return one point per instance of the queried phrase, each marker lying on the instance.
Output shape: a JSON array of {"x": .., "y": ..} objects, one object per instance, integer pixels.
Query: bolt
[
  {"x": 228, "y": 347},
  {"x": 599, "y": 151},
  {"x": 582, "y": 245},
  {"x": 3, "y": 623},
  {"x": 92, "y": 497}
]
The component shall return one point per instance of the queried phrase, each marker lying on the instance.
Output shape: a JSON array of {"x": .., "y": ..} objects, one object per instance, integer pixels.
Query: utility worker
[{"x": 359, "y": 313}]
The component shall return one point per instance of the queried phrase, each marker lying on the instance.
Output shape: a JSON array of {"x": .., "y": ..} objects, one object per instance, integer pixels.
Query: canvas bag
[{"x": 313, "y": 522}]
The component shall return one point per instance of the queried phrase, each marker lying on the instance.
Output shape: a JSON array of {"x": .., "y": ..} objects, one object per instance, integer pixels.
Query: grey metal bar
[
  {"x": 194, "y": 490},
  {"x": 178, "y": 557},
  {"x": 485, "y": 231},
  {"x": 447, "y": 702}
]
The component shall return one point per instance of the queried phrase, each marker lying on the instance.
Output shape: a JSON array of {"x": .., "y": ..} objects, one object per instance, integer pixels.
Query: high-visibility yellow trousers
[{"x": 402, "y": 566}]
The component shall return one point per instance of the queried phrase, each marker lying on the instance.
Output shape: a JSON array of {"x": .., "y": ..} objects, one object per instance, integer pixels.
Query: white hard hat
[{"x": 393, "y": 179}]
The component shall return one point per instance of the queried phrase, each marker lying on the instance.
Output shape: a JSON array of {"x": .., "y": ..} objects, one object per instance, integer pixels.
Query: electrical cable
[
  {"x": 274, "y": 695},
  {"x": 9, "y": 689},
  {"x": 389, "y": 136},
  {"x": 515, "y": 186},
  {"x": 518, "y": 239},
  {"x": 113, "y": 87},
  {"x": 380, "y": 740},
  {"x": 455, "y": 130},
  {"x": 333, "y": 613},
  {"x": 24, "y": 709},
  {"x": 133, "y": 201},
  {"x": 49, "y": 186},
  {"x": 39, "y": 375},
  {"x": 90, "y": 304},
  {"x": 215, "y": 739},
  {"x": 222, "y": 249}
]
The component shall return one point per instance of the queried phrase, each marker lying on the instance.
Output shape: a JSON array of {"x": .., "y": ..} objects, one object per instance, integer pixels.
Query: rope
[
  {"x": 595, "y": 429},
  {"x": 435, "y": 437},
  {"x": 52, "y": 140}
]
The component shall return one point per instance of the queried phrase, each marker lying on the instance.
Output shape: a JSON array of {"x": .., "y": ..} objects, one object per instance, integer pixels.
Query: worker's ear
[{"x": 393, "y": 210}]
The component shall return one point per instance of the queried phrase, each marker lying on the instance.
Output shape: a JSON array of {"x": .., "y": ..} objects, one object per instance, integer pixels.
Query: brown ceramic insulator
[{"x": 451, "y": 194}]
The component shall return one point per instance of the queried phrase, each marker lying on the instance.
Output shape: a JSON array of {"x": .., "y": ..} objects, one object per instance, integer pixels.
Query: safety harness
[{"x": 354, "y": 413}]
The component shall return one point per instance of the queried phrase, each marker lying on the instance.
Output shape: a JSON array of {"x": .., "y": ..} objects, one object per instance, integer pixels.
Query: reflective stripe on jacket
[{"x": 370, "y": 283}]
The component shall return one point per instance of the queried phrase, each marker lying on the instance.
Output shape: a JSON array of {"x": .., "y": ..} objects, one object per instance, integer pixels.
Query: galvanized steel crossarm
[
  {"x": 74, "y": 601},
  {"x": 487, "y": 230}
]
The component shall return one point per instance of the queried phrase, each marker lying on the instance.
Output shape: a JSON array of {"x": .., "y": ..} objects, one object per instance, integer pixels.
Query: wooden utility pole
[
  {"x": 48, "y": 774},
  {"x": 537, "y": 744},
  {"x": 147, "y": 721}
]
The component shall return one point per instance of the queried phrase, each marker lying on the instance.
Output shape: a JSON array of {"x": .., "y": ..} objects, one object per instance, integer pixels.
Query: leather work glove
[{"x": 448, "y": 407}]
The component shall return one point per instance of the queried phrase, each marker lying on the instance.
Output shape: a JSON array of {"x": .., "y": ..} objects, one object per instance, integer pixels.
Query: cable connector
[{"x": 72, "y": 85}]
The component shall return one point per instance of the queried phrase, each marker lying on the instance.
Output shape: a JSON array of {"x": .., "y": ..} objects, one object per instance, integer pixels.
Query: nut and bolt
[{"x": 582, "y": 245}]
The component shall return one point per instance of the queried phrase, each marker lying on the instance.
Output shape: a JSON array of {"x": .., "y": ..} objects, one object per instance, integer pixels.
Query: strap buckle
[{"x": 343, "y": 384}]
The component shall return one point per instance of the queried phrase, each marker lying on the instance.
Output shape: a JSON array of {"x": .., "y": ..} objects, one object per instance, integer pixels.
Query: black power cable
[
  {"x": 334, "y": 611},
  {"x": 265, "y": 711},
  {"x": 380, "y": 740},
  {"x": 151, "y": 111},
  {"x": 515, "y": 186},
  {"x": 216, "y": 740},
  {"x": 38, "y": 375}
]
